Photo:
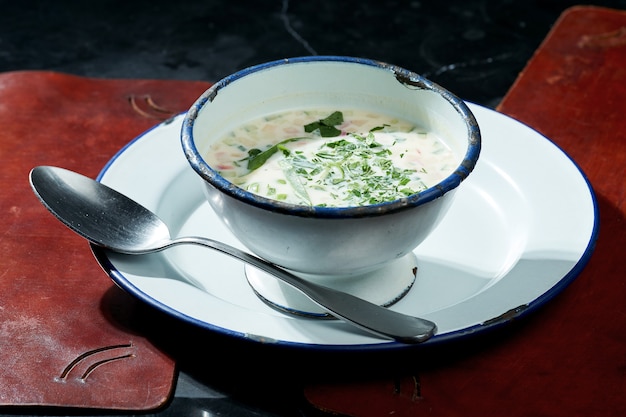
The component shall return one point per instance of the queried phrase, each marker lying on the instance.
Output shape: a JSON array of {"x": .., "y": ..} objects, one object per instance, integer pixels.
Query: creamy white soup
[{"x": 332, "y": 158}]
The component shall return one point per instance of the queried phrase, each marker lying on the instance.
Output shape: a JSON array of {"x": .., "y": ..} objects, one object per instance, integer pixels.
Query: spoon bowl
[{"x": 111, "y": 220}]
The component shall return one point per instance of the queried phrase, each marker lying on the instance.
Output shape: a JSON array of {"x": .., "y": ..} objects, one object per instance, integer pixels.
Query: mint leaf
[
  {"x": 329, "y": 131},
  {"x": 336, "y": 118},
  {"x": 326, "y": 126},
  {"x": 257, "y": 158}
]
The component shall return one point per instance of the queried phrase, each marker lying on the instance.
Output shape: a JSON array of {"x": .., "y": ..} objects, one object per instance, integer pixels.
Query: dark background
[{"x": 475, "y": 48}]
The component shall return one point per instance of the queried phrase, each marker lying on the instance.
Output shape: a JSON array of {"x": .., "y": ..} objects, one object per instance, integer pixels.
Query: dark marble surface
[{"x": 475, "y": 48}]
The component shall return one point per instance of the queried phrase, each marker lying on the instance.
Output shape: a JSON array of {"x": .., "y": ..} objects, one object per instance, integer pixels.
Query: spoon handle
[{"x": 361, "y": 313}]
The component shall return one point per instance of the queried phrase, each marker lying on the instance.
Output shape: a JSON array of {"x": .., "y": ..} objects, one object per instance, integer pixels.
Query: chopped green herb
[
  {"x": 364, "y": 159},
  {"x": 327, "y": 125},
  {"x": 256, "y": 158},
  {"x": 374, "y": 129}
]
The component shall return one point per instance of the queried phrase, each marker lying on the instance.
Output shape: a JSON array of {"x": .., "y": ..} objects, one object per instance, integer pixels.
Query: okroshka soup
[
  {"x": 332, "y": 158},
  {"x": 330, "y": 165}
]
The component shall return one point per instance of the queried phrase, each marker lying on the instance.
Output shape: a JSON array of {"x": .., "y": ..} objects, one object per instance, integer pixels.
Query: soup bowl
[{"x": 329, "y": 243}]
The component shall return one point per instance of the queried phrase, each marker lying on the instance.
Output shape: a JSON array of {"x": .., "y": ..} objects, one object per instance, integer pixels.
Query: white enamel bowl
[{"x": 320, "y": 240}]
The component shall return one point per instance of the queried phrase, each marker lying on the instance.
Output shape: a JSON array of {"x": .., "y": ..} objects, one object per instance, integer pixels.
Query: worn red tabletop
[
  {"x": 569, "y": 358},
  {"x": 67, "y": 335}
]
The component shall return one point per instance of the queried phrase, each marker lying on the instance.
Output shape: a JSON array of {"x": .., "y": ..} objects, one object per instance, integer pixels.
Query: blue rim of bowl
[{"x": 404, "y": 76}]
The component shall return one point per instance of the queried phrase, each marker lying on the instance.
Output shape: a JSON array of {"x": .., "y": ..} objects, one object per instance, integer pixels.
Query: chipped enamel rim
[{"x": 404, "y": 76}]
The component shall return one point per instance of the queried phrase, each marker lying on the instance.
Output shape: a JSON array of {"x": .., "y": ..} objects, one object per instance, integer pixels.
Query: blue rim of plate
[{"x": 492, "y": 324}]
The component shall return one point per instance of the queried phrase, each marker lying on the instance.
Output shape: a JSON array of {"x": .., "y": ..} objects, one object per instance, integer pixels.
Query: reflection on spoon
[{"x": 109, "y": 219}]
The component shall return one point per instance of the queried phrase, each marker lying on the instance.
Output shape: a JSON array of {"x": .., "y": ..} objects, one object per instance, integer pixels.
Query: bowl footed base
[{"x": 384, "y": 286}]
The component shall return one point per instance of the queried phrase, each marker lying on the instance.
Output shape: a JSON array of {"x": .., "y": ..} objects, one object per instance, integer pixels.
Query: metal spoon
[{"x": 111, "y": 220}]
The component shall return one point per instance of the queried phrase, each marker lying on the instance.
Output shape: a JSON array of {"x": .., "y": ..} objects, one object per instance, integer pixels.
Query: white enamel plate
[{"x": 522, "y": 227}]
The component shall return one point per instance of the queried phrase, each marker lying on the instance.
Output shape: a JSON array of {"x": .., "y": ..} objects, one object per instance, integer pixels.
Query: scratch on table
[
  {"x": 284, "y": 16},
  {"x": 467, "y": 64},
  {"x": 604, "y": 40}
]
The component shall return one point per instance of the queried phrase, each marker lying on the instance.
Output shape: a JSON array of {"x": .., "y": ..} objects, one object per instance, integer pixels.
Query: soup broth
[{"x": 332, "y": 158}]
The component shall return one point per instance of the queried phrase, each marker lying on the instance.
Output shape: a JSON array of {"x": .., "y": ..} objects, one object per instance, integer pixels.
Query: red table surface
[
  {"x": 568, "y": 358},
  {"x": 68, "y": 336}
]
